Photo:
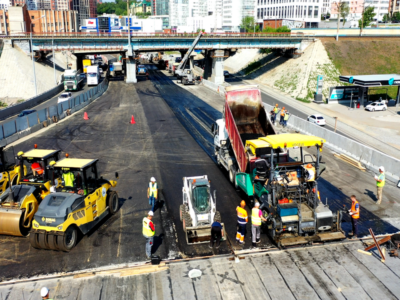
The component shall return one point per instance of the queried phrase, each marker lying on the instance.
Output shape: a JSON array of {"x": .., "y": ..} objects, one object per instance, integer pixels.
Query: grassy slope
[{"x": 366, "y": 56}]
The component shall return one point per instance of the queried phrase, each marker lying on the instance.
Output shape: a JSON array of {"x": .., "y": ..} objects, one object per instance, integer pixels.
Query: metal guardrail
[{"x": 23, "y": 126}]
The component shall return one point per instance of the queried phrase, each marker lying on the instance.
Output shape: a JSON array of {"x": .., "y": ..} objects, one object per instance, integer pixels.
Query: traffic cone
[
  {"x": 133, "y": 120},
  {"x": 85, "y": 116}
]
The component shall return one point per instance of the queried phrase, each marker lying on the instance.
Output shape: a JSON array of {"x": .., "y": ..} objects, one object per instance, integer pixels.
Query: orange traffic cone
[
  {"x": 133, "y": 120},
  {"x": 85, "y": 116}
]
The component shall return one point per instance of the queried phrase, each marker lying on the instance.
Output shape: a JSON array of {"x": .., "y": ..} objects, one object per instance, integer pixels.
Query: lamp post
[
  {"x": 54, "y": 58},
  {"x": 33, "y": 56},
  {"x": 129, "y": 29}
]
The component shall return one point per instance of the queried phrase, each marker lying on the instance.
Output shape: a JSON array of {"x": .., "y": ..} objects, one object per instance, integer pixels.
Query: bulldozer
[
  {"x": 79, "y": 201},
  {"x": 31, "y": 184},
  {"x": 198, "y": 210}
]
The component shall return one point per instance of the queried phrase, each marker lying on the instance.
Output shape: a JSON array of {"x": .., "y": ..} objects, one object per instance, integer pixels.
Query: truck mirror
[
  {"x": 320, "y": 158},
  {"x": 212, "y": 127},
  {"x": 215, "y": 196},
  {"x": 116, "y": 175}
]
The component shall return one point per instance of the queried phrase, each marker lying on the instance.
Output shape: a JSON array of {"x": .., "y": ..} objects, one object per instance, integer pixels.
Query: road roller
[
  {"x": 8, "y": 169},
  {"x": 81, "y": 199},
  {"x": 19, "y": 203}
]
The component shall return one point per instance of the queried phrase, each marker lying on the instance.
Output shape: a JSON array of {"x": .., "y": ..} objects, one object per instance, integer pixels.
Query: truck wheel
[
  {"x": 112, "y": 202},
  {"x": 52, "y": 241},
  {"x": 182, "y": 210},
  {"x": 232, "y": 176},
  {"x": 68, "y": 241},
  {"x": 33, "y": 238},
  {"x": 42, "y": 239},
  {"x": 187, "y": 220}
]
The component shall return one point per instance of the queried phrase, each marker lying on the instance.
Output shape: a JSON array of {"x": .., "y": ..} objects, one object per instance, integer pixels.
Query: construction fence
[{"x": 23, "y": 126}]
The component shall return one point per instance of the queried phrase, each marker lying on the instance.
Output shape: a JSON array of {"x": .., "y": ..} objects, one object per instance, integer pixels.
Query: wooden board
[
  {"x": 68, "y": 289},
  {"x": 181, "y": 284},
  {"x": 206, "y": 286},
  {"x": 160, "y": 286},
  {"x": 91, "y": 288}
]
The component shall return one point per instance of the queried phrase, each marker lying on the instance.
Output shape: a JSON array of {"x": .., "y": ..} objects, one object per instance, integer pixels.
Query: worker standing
[
  {"x": 242, "y": 220},
  {"x": 152, "y": 193},
  {"x": 148, "y": 232},
  {"x": 273, "y": 117},
  {"x": 380, "y": 183},
  {"x": 45, "y": 293},
  {"x": 256, "y": 217},
  {"x": 355, "y": 215},
  {"x": 275, "y": 111},
  {"x": 285, "y": 119},
  {"x": 282, "y": 116}
]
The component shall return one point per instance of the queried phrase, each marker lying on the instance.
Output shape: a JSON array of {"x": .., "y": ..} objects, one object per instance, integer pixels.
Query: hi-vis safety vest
[
  {"x": 147, "y": 232},
  {"x": 153, "y": 190},
  {"x": 286, "y": 117},
  {"x": 276, "y": 110},
  {"x": 381, "y": 177},
  {"x": 68, "y": 179},
  {"x": 353, "y": 209},
  {"x": 255, "y": 218},
  {"x": 241, "y": 215}
]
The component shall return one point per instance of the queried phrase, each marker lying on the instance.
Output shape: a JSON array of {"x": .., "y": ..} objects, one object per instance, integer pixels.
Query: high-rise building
[
  {"x": 178, "y": 13},
  {"x": 4, "y": 4},
  {"x": 160, "y": 7},
  {"x": 233, "y": 12},
  {"x": 86, "y": 9}
]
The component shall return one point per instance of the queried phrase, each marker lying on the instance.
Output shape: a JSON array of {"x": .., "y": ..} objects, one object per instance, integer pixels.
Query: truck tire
[
  {"x": 232, "y": 176},
  {"x": 182, "y": 210},
  {"x": 112, "y": 202},
  {"x": 68, "y": 241},
  {"x": 33, "y": 238},
  {"x": 42, "y": 240},
  {"x": 187, "y": 220}
]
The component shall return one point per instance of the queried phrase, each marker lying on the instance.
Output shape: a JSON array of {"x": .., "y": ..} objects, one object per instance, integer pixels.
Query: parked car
[
  {"x": 376, "y": 106},
  {"x": 26, "y": 112},
  {"x": 64, "y": 97},
  {"x": 317, "y": 119},
  {"x": 226, "y": 74}
]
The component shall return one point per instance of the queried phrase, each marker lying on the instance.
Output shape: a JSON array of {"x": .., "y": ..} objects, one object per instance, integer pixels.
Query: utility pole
[
  {"x": 129, "y": 28},
  {"x": 338, "y": 6}
]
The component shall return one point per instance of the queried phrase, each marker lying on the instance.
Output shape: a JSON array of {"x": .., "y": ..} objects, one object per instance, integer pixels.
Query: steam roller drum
[{"x": 11, "y": 222}]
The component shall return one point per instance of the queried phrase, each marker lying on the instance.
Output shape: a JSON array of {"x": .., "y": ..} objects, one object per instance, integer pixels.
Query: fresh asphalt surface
[{"x": 170, "y": 139}]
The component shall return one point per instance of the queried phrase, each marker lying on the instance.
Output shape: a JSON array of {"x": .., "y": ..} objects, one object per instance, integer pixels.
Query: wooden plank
[
  {"x": 68, "y": 289},
  {"x": 140, "y": 290},
  {"x": 229, "y": 285},
  {"x": 114, "y": 287},
  {"x": 376, "y": 244},
  {"x": 253, "y": 285},
  {"x": 272, "y": 279},
  {"x": 5, "y": 291},
  {"x": 392, "y": 262},
  {"x": 206, "y": 287},
  {"x": 296, "y": 281},
  {"x": 316, "y": 277},
  {"x": 160, "y": 286},
  {"x": 24, "y": 291},
  {"x": 374, "y": 288},
  {"x": 182, "y": 287},
  {"x": 380, "y": 270},
  {"x": 338, "y": 274},
  {"x": 380, "y": 242},
  {"x": 91, "y": 288}
]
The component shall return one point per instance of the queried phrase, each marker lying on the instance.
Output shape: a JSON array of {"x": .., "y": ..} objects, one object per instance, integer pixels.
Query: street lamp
[
  {"x": 54, "y": 58},
  {"x": 33, "y": 56}
]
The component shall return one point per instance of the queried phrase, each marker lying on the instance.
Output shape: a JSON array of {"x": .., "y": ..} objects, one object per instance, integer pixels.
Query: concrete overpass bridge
[{"x": 217, "y": 46}]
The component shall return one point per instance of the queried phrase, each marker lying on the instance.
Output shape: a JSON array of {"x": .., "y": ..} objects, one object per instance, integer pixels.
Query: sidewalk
[{"x": 359, "y": 124}]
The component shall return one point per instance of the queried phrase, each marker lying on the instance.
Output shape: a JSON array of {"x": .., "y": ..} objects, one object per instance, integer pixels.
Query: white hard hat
[
  {"x": 382, "y": 169},
  {"x": 152, "y": 179},
  {"x": 257, "y": 204},
  {"x": 151, "y": 213},
  {"x": 44, "y": 291}
]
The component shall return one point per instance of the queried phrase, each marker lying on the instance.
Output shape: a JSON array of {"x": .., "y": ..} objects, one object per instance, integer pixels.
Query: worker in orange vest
[
  {"x": 283, "y": 113},
  {"x": 355, "y": 215},
  {"x": 242, "y": 219}
]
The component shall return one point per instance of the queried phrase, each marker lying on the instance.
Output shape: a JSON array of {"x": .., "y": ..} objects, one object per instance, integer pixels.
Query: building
[
  {"x": 4, "y": 4},
  {"x": 326, "y": 7},
  {"x": 160, "y": 7},
  {"x": 141, "y": 8},
  {"x": 86, "y": 9},
  {"x": 18, "y": 19},
  {"x": 214, "y": 11},
  {"x": 178, "y": 13},
  {"x": 306, "y": 11},
  {"x": 164, "y": 19},
  {"x": 381, "y": 8}
]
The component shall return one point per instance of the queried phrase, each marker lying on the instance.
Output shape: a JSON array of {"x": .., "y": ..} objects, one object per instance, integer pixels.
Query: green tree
[
  {"x": 367, "y": 17},
  {"x": 248, "y": 24},
  {"x": 118, "y": 7},
  {"x": 279, "y": 29},
  {"x": 396, "y": 16},
  {"x": 386, "y": 18},
  {"x": 344, "y": 11}
]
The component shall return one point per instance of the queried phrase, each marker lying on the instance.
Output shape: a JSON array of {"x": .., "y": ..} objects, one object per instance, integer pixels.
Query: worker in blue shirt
[{"x": 217, "y": 233}]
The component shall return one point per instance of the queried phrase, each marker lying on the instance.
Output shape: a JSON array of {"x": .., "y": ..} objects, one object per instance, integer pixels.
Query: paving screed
[{"x": 171, "y": 139}]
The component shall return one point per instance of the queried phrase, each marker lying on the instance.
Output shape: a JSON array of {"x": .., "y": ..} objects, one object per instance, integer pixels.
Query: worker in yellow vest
[
  {"x": 283, "y": 111},
  {"x": 152, "y": 193},
  {"x": 242, "y": 219},
  {"x": 285, "y": 119},
  {"x": 148, "y": 232},
  {"x": 256, "y": 217},
  {"x": 355, "y": 215},
  {"x": 380, "y": 183}
]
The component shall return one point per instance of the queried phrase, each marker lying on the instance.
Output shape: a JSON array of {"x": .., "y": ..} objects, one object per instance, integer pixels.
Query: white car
[
  {"x": 64, "y": 97},
  {"x": 376, "y": 106},
  {"x": 317, "y": 119}
]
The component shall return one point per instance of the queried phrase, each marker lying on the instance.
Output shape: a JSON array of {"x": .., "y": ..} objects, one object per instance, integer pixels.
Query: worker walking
[
  {"x": 256, "y": 217},
  {"x": 380, "y": 183},
  {"x": 45, "y": 293},
  {"x": 282, "y": 116},
  {"x": 242, "y": 220},
  {"x": 216, "y": 233},
  {"x": 152, "y": 192},
  {"x": 355, "y": 215},
  {"x": 148, "y": 232},
  {"x": 285, "y": 119},
  {"x": 273, "y": 117}
]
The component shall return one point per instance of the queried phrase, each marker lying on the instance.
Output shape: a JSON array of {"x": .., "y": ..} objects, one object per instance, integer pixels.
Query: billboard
[{"x": 89, "y": 23}]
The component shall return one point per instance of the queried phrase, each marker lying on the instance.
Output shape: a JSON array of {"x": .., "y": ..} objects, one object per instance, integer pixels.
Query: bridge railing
[{"x": 124, "y": 35}]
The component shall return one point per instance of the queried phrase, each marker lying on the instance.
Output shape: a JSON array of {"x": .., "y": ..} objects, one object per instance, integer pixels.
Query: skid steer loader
[
  {"x": 198, "y": 210},
  {"x": 80, "y": 201},
  {"x": 30, "y": 185}
]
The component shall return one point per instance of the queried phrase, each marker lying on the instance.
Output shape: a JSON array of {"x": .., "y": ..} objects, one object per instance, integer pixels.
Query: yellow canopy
[
  {"x": 256, "y": 144},
  {"x": 291, "y": 140},
  {"x": 39, "y": 153},
  {"x": 77, "y": 163}
]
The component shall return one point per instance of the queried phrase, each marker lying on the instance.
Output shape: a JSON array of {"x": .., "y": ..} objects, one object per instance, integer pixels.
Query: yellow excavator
[{"x": 20, "y": 202}]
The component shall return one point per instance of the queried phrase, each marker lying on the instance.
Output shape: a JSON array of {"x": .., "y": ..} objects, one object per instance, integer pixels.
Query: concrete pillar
[
  {"x": 131, "y": 70},
  {"x": 398, "y": 96},
  {"x": 183, "y": 52},
  {"x": 218, "y": 67},
  {"x": 207, "y": 64},
  {"x": 361, "y": 96}
]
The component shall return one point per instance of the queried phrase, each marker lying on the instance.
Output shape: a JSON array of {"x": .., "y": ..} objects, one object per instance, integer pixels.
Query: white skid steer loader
[{"x": 198, "y": 210}]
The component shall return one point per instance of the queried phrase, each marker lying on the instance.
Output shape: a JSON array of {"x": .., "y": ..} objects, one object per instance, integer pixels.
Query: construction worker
[
  {"x": 148, "y": 232},
  {"x": 355, "y": 215},
  {"x": 276, "y": 109},
  {"x": 274, "y": 112},
  {"x": 216, "y": 233},
  {"x": 37, "y": 169},
  {"x": 45, "y": 293},
  {"x": 285, "y": 119},
  {"x": 242, "y": 220},
  {"x": 380, "y": 183},
  {"x": 152, "y": 192},
  {"x": 256, "y": 217},
  {"x": 68, "y": 177},
  {"x": 273, "y": 117},
  {"x": 282, "y": 116}
]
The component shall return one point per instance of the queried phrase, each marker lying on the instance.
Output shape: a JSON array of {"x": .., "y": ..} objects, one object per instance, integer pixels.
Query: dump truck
[
  {"x": 80, "y": 201},
  {"x": 199, "y": 209},
  {"x": 244, "y": 118},
  {"x": 20, "y": 202},
  {"x": 284, "y": 179},
  {"x": 86, "y": 63},
  {"x": 72, "y": 80}
]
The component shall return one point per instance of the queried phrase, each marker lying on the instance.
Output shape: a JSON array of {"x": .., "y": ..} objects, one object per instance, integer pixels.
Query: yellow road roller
[
  {"x": 19, "y": 203},
  {"x": 80, "y": 201},
  {"x": 8, "y": 169}
]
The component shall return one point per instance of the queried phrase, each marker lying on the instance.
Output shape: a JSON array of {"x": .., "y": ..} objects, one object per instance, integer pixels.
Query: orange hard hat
[
  {"x": 242, "y": 204},
  {"x": 283, "y": 107},
  {"x": 309, "y": 166},
  {"x": 277, "y": 104}
]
